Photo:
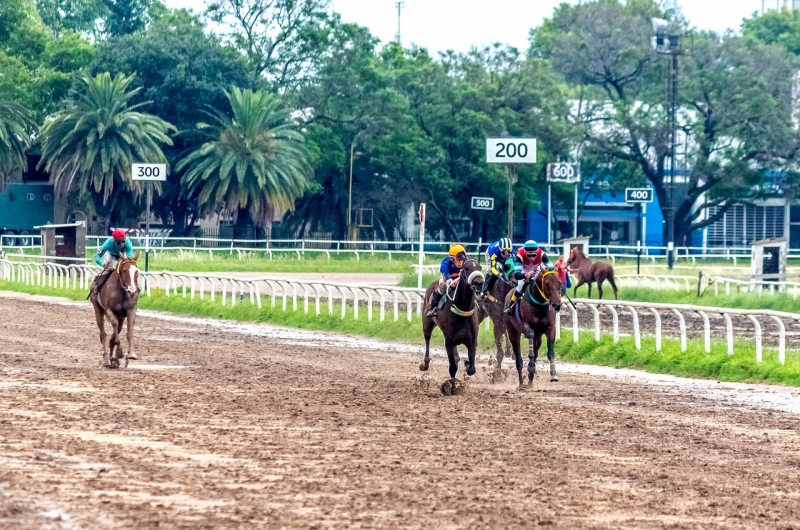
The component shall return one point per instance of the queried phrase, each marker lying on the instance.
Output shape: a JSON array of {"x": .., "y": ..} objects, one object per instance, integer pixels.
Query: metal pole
[
  {"x": 350, "y": 195},
  {"x": 549, "y": 216},
  {"x": 511, "y": 178},
  {"x": 575, "y": 214},
  {"x": 147, "y": 228},
  {"x": 639, "y": 239},
  {"x": 421, "y": 243},
  {"x": 670, "y": 196}
]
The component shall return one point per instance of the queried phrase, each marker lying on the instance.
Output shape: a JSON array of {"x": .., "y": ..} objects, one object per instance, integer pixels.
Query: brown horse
[
  {"x": 116, "y": 301},
  {"x": 534, "y": 317},
  {"x": 589, "y": 272},
  {"x": 492, "y": 307},
  {"x": 458, "y": 319}
]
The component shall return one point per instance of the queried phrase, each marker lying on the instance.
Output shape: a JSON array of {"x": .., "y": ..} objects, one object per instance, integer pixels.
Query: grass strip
[{"x": 718, "y": 365}]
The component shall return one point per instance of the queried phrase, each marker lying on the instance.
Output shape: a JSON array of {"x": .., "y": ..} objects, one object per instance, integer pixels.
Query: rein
[
  {"x": 462, "y": 279},
  {"x": 540, "y": 289}
]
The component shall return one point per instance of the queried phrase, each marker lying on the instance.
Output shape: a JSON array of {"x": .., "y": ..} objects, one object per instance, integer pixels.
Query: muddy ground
[{"x": 226, "y": 426}]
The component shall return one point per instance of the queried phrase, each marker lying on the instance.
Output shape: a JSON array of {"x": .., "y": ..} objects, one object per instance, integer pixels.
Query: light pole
[
  {"x": 350, "y": 229},
  {"x": 667, "y": 43},
  {"x": 512, "y": 179}
]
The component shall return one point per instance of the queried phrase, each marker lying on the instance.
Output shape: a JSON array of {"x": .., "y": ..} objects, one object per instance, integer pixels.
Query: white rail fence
[{"x": 398, "y": 302}]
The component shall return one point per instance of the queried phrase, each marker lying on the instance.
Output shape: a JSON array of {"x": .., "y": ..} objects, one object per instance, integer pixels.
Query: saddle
[{"x": 99, "y": 281}]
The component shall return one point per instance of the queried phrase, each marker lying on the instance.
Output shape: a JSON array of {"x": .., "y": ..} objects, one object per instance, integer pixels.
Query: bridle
[
  {"x": 545, "y": 299},
  {"x": 127, "y": 289},
  {"x": 463, "y": 278}
]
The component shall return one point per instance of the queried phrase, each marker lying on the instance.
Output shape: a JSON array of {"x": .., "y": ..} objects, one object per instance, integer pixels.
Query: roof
[{"x": 69, "y": 225}]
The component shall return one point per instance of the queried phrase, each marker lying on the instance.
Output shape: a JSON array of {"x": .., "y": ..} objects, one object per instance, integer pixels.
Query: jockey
[
  {"x": 450, "y": 269},
  {"x": 497, "y": 261},
  {"x": 526, "y": 262},
  {"x": 114, "y": 247}
]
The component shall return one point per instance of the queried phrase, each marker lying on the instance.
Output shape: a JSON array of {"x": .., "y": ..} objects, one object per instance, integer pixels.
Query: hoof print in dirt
[{"x": 453, "y": 387}]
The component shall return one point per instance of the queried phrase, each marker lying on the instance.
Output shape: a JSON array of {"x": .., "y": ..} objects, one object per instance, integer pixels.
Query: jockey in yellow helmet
[{"x": 449, "y": 270}]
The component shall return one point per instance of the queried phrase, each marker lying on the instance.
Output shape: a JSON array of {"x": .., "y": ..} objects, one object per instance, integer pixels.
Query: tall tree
[
  {"x": 91, "y": 144},
  {"x": 255, "y": 161},
  {"x": 16, "y": 130},
  {"x": 734, "y": 109},
  {"x": 779, "y": 27},
  {"x": 128, "y": 16},
  {"x": 282, "y": 39}
]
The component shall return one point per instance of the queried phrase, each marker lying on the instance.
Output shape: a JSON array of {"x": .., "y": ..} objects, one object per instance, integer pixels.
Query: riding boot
[
  {"x": 512, "y": 303},
  {"x": 434, "y": 307},
  {"x": 488, "y": 286}
]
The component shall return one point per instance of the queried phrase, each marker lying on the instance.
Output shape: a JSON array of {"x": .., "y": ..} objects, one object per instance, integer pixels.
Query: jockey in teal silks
[
  {"x": 115, "y": 247},
  {"x": 527, "y": 260},
  {"x": 497, "y": 262}
]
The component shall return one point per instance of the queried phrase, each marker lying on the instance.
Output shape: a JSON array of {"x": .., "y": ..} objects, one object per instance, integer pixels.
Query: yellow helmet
[{"x": 455, "y": 250}]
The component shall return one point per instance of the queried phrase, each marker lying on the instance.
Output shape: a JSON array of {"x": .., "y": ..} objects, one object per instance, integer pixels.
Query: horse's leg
[
  {"x": 452, "y": 358},
  {"x": 428, "y": 326},
  {"x": 589, "y": 286},
  {"x": 120, "y": 325},
  {"x": 551, "y": 354},
  {"x": 514, "y": 339},
  {"x": 113, "y": 342},
  {"x": 101, "y": 324},
  {"x": 472, "y": 348},
  {"x": 533, "y": 343},
  {"x": 613, "y": 285},
  {"x": 575, "y": 290},
  {"x": 499, "y": 333},
  {"x": 600, "y": 281},
  {"x": 131, "y": 321}
]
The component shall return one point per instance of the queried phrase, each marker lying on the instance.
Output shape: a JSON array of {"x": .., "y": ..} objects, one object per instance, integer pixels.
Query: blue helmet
[
  {"x": 531, "y": 246},
  {"x": 505, "y": 244}
]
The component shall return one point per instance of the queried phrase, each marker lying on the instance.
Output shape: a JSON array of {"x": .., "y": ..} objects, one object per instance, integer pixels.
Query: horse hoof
[
  {"x": 132, "y": 356},
  {"x": 423, "y": 367},
  {"x": 470, "y": 368},
  {"x": 521, "y": 388},
  {"x": 553, "y": 378}
]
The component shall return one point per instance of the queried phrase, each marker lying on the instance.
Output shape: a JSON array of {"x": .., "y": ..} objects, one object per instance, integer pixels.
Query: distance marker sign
[
  {"x": 638, "y": 195},
  {"x": 483, "y": 203},
  {"x": 511, "y": 150},
  {"x": 149, "y": 172}
]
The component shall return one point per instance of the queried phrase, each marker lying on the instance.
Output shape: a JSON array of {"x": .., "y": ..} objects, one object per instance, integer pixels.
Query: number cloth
[{"x": 114, "y": 249}]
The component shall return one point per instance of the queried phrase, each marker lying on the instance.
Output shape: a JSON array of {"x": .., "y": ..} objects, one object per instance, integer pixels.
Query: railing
[{"x": 293, "y": 295}]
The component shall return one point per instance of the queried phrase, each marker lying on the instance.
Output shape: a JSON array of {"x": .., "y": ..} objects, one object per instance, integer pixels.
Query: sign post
[
  {"x": 638, "y": 196},
  {"x": 511, "y": 151},
  {"x": 570, "y": 173},
  {"x": 148, "y": 173},
  {"x": 421, "y": 243}
]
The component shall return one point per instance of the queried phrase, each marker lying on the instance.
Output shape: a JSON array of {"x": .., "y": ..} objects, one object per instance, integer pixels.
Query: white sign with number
[
  {"x": 564, "y": 172},
  {"x": 483, "y": 203},
  {"x": 511, "y": 150},
  {"x": 149, "y": 172}
]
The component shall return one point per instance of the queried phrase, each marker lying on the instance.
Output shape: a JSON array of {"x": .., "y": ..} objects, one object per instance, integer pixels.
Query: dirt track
[{"x": 238, "y": 430}]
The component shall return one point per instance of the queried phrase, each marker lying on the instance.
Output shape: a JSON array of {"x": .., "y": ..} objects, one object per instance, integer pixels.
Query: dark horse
[
  {"x": 534, "y": 317},
  {"x": 115, "y": 300},
  {"x": 458, "y": 319},
  {"x": 492, "y": 307},
  {"x": 589, "y": 272}
]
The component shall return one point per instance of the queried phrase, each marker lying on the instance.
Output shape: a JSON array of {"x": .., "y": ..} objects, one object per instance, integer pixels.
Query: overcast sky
[{"x": 459, "y": 24}]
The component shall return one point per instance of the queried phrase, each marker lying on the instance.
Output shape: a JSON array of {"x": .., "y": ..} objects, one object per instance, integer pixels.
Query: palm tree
[
  {"x": 255, "y": 161},
  {"x": 16, "y": 128},
  {"x": 94, "y": 140}
]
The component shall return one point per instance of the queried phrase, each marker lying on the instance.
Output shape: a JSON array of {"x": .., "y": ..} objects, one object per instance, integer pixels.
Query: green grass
[{"x": 740, "y": 367}]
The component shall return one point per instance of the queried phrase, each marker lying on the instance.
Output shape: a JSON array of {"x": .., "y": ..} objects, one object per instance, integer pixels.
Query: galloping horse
[
  {"x": 492, "y": 307},
  {"x": 116, "y": 301},
  {"x": 534, "y": 318},
  {"x": 589, "y": 272},
  {"x": 458, "y": 319}
]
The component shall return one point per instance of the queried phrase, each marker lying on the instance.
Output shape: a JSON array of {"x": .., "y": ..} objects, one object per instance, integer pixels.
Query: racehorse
[
  {"x": 589, "y": 272},
  {"x": 115, "y": 300},
  {"x": 492, "y": 307},
  {"x": 458, "y": 319},
  {"x": 534, "y": 317}
]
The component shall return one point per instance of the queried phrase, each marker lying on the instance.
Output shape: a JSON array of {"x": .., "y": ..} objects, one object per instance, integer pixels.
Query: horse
[
  {"x": 115, "y": 300},
  {"x": 589, "y": 272},
  {"x": 535, "y": 316},
  {"x": 492, "y": 307},
  {"x": 458, "y": 319}
]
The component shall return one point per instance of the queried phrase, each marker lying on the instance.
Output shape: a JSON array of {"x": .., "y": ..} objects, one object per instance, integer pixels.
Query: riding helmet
[
  {"x": 505, "y": 243},
  {"x": 531, "y": 246},
  {"x": 118, "y": 235},
  {"x": 458, "y": 251}
]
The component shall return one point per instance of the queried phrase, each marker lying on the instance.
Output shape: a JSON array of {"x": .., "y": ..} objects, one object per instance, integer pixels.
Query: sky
[{"x": 439, "y": 25}]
